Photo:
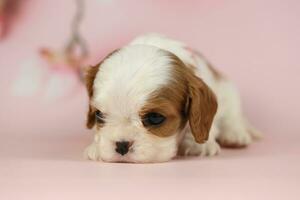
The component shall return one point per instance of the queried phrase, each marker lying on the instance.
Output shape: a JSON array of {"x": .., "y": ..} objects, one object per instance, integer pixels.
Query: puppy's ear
[
  {"x": 91, "y": 120},
  {"x": 201, "y": 109},
  {"x": 90, "y": 76}
]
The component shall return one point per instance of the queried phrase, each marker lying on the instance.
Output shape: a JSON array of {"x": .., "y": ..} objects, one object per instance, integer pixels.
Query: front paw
[
  {"x": 92, "y": 152},
  {"x": 235, "y": 140},
  {"x": 210, "y": 148}
]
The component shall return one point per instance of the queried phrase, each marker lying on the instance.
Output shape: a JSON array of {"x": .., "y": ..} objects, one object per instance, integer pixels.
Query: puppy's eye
[
  {"x": 153, "y": 118},
  {"x": 99, "y": 116}
]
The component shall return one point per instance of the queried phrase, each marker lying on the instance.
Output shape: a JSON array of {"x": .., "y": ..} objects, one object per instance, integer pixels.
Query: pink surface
[{"x": 256, "y": 43}]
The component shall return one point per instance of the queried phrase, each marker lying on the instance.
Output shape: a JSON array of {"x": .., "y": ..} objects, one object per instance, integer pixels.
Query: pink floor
[{"x": 256, "y": 43}]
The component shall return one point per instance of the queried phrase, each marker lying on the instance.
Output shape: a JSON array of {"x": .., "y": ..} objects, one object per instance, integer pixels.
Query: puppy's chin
[{"x": 143, "y": 151}]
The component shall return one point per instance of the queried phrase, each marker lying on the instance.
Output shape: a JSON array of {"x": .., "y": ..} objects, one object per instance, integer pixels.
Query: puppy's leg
[
  {"x": 234, "y": 130},
  {"x": 190, "y": 147},
  {"x": 92, "y": 152}
]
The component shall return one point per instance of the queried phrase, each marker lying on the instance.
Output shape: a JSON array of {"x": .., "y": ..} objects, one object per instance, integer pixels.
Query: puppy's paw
[
  {"x": 235, "y": 140},
  {"x": 92, "y": 152},
  {"x": 210, "y": 148}
]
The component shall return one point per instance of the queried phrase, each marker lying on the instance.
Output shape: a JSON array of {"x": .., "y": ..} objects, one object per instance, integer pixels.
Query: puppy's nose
[{"x": 123, "y": 147}]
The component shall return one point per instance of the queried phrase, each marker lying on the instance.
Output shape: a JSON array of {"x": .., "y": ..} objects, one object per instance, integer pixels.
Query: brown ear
[
  {"x": 90, "y": 76},
  {"x": 91, "y": 120},
  {"x": 202, "y": 108}
]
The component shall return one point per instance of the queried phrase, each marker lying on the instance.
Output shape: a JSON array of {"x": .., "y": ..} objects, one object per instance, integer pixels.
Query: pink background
[{"x": 256, "y": 43}]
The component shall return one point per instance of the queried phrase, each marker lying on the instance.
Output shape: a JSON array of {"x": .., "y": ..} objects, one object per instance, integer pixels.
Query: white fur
[{"x": 122, "y": 87}]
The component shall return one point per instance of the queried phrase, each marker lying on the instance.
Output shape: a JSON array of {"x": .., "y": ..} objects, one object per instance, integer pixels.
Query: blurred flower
[{"x": 53, "y": 74}]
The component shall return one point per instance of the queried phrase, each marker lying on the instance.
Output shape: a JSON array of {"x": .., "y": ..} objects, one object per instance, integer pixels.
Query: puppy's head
[{"x": 141, "y": 97}]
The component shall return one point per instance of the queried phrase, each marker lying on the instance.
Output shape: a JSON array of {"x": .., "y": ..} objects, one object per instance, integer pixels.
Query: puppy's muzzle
[{"x": 123, "y": 147}]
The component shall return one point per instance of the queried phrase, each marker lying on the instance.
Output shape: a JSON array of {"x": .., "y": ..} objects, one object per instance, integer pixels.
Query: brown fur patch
[
  {"x": 202, "y": 108},
  {"x": 231, "y": 145},
  {"x": 191, "y": 67},
  {"x": 89, "y": 82},
  {"x": 201, "y": 104},
  {"x": 90, "y": 76},
  {"x": 185, "y": 97},
  {"x": 173, "y": 120},
  {"x": 169, "y": 101}
]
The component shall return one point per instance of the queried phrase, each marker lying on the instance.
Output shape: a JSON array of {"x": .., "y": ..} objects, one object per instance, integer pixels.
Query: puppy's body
[{"x": 155, "y": 74}]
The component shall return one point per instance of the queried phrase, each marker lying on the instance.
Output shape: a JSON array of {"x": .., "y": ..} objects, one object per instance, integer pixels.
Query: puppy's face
[{"x": 141, "y": 98}]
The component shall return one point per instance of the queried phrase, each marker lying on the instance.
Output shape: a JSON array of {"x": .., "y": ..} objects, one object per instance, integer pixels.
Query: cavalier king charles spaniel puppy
[{"x": 155, "y": 99}]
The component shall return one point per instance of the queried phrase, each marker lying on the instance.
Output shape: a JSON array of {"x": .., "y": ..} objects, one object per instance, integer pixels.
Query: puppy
[{"x": 156, "y": 98}]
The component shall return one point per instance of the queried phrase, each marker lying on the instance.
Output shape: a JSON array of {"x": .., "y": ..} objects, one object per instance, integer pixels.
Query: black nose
[{"x": 122, "y": 147}]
